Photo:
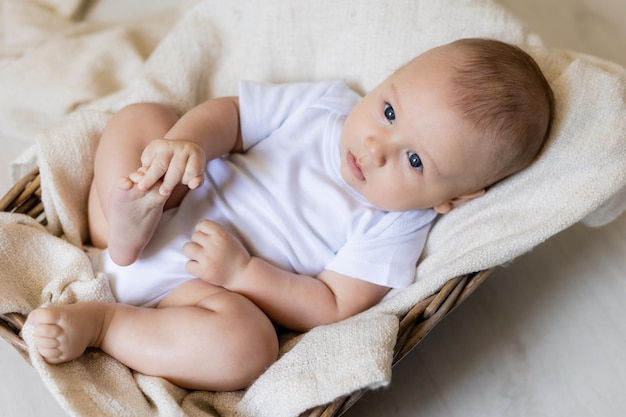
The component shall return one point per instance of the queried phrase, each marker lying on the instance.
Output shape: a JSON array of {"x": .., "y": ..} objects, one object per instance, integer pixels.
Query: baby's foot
[
  {"x": 133, "y": 217},
  {"x": 63, "y": 333}
]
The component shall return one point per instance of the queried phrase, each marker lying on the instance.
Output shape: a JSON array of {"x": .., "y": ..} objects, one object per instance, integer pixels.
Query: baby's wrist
[{"x": 242, "y": 275}]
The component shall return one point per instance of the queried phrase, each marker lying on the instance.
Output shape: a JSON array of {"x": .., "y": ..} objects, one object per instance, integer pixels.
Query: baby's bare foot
[
  {"x": 63, "y": 333},
  {"x": 133, "y": 217}
]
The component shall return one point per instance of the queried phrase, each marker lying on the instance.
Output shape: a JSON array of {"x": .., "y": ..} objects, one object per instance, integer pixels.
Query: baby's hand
[
  {"x": 215, "y": 255},
  {"x": 173, "y": 162}
]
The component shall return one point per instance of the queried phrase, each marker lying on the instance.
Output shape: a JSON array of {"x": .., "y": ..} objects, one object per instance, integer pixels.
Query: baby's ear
[{"x": 447, "y": 206}]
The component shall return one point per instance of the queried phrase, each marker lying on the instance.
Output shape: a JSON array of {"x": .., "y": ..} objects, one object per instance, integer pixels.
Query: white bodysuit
[{"x": 285, "y": 199}]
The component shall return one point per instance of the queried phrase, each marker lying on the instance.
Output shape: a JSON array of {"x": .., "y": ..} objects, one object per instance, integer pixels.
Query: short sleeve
[
  {"x": 386, "y": 254},
  {"x": 264, "y": 108}
]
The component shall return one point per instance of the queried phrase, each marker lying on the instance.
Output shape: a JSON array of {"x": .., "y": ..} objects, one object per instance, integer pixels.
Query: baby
[{"x": 315, "y": 203}]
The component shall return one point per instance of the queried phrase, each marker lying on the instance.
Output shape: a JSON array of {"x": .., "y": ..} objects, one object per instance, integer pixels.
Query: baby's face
[{"x": 403, "y": 147}]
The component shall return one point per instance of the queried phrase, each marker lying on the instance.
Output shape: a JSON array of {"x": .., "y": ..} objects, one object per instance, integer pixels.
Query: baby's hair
[{"x": 501, "y": 91}]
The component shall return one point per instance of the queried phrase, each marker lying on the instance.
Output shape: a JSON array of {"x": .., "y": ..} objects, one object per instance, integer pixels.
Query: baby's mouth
[{"x": 354, "y": 167}]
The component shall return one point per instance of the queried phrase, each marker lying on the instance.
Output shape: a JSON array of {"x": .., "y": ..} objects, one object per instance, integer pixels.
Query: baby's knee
[
  {"x": 252, "y": 356},
  {"x": 157, "y": 111},
  {"x": 252, "y": 342}
]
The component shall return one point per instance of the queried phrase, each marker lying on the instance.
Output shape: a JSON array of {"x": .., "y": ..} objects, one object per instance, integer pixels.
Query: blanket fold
[{"x": 207, "y": 52}]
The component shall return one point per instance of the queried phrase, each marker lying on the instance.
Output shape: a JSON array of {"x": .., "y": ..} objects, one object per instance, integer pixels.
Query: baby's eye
[
  {"x": 390, "y": 114},
  {"x": 415, "y": 161}
]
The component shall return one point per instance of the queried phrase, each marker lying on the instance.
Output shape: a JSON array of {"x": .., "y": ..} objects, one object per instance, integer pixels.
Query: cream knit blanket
[{"x": 77, "y": 75}]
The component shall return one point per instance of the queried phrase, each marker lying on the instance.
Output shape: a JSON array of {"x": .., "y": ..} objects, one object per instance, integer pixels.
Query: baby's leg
[
  {"x": 200, "y": 336},
  {"x": 121, "y": 216}
]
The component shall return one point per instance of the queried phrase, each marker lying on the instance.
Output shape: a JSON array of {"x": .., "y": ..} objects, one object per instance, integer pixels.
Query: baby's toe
[
  {"x": 51, "y": 355},
  {"x": 44, "y": 316},
  {"x": 47, "y": 342}
]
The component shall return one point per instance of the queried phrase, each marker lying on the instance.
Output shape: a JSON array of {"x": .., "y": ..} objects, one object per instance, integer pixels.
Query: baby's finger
[
  {"x": 192, "y": 250},
  {"x": 193, "y": 268},
  {"x": 137, "y": 176},
  {"x": 207, "y": 227},
  {"x": 173, "y": 175},
  {"x": 194, "y": 171},
  {"x": 147, "y": 156},
  {"x": 195, "y": 182},
  {"x": 152, "y": 174},
  {"x": 201, "y": 239}
]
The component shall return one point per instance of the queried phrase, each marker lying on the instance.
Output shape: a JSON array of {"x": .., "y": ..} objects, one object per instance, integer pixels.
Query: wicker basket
[{"x": 25, "y": 198}]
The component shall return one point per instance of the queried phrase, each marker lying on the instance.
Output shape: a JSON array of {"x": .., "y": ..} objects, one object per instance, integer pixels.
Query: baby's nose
[{"x": 376, "y": 150}]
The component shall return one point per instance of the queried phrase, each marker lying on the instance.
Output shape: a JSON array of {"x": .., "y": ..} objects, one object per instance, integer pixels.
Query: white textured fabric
[{"x": 583, "y": 168}]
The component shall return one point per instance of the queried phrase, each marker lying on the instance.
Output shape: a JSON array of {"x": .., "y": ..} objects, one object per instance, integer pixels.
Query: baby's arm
[
  {"x": 301, "y": 302},
  {"x": 295, "y": 301},
  {"x": 207, "y": 131}
]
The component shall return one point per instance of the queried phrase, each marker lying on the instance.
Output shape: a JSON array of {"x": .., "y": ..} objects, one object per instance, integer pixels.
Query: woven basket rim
[{"x": 25, "y": 198}]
